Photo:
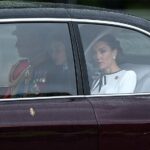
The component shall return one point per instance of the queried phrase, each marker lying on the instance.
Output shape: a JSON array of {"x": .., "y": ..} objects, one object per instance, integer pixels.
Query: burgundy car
[{"x": 47, "y": 69}]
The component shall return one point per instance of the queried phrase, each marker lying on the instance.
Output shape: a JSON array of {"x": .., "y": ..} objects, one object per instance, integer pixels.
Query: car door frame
[
  {"x": 77, "y": 128},
  {"x": 115, "y": 132}
]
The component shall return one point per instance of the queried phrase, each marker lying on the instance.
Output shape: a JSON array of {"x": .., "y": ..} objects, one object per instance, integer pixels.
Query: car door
[
  {"x": 40, "y": 107},
  {"x": 123, "y": 118},
  {"x": 51, "y": 123}
]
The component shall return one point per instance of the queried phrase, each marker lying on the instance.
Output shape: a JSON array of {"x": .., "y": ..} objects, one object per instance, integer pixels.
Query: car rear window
[{"x": 36, "y": 60}]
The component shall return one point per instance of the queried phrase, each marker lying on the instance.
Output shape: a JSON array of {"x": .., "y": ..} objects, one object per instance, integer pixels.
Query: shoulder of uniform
[{"x": 17, "y": 69}]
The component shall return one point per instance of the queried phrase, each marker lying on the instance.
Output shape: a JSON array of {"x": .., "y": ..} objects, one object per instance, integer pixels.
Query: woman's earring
[{"x": 114, "y": 57}]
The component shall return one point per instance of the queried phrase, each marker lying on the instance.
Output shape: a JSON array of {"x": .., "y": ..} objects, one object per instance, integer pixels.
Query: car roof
[{"x": 9, "y": 9}]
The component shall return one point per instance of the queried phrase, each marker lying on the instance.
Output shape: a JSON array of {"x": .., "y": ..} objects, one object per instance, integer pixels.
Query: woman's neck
[{"x": 114, "y": 68}]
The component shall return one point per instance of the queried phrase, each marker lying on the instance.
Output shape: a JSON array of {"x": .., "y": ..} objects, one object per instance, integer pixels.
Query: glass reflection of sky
[{"x": 8, "y": 51}]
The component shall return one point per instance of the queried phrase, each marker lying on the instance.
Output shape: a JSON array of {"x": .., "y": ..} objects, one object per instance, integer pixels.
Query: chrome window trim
[
  {"x": 65, "y": 20},
  {"x": 142, "y": 95},
  {"x": 14, "y": 20}
]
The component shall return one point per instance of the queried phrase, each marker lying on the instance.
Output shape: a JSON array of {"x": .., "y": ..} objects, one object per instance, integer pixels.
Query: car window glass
[
  {"x": 36, "y": 60},
  {"x": 117, "y": 59}
]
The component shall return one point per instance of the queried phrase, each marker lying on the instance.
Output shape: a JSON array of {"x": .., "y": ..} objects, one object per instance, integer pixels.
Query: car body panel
[
  {"x": 123, "y": 122},
  {"x": 33, "y": 13},
  {"x": 56, "y": 123}
]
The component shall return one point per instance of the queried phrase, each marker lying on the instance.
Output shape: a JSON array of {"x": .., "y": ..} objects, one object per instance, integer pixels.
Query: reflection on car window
[
  {"x": 112, "y": 57},
  {"x": 37, "y": 60}
]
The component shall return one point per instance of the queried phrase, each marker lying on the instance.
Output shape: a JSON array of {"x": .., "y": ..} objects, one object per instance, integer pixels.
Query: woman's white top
[{"x": 120, "y": 82}]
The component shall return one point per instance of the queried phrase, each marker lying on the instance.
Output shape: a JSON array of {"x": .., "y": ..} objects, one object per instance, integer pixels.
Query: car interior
[
  {"x": 135, "y": 53},
  {"x": 135, "y": 56},
  {"x": 37, "y": 61}
]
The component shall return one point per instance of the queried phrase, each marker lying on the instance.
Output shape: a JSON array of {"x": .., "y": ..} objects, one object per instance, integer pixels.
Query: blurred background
[{"x": 136, "y": 7}]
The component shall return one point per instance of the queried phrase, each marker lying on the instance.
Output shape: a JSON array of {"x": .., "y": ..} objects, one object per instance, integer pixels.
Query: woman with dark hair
[{"x": 112, "y": 79}]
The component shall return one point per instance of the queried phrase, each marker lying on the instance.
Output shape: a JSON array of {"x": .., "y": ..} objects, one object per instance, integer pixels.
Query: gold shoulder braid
[{"x": 24, "y": 77}]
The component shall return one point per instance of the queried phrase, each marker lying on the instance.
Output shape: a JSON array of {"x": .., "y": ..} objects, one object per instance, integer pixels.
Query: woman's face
[{"x": 104, "y": 56}]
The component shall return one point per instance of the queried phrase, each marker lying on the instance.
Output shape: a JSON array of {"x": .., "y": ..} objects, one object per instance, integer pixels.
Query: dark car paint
[
  {"x": 83, "y": 70},
  {"x": 124, "y": 122},
  {"x": 57, "y": 123},
  {"x": 76, "y": 123},
  {"x": 74, "y": 12}
]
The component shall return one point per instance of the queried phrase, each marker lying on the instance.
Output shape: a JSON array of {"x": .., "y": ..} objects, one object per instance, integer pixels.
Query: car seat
[{"x": 143, "y": 76}]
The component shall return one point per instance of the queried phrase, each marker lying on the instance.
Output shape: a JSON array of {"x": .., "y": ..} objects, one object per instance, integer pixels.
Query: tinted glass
[
  {"x": 117, "y": 59},
  {"x": 36, "y": 60}
]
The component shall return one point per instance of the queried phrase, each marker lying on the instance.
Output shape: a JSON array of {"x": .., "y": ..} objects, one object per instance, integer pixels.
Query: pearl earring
[{"x": 114, "y": 57}]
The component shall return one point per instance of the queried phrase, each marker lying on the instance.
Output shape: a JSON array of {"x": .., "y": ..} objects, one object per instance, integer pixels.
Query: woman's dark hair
[
  {"x": 111, "y": 41},
  {"x": 113, "y": 44}
]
